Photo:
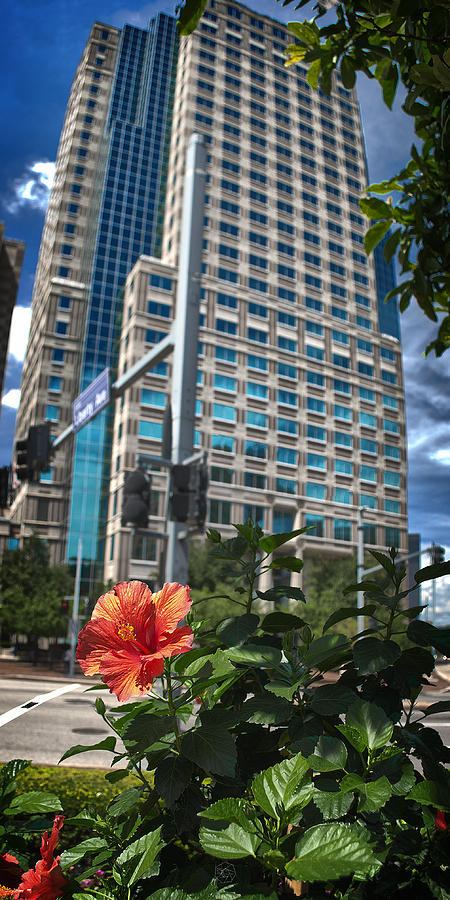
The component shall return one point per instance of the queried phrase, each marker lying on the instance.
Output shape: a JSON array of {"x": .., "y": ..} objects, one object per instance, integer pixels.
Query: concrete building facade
[{"x": 300, "y": 393}]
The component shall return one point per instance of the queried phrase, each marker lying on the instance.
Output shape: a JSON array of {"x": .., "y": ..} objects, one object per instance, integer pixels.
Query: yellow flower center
[{"x": 126, "y": 632}]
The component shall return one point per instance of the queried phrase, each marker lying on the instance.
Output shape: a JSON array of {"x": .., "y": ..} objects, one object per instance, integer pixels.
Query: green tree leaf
[
  {"x": 146, "y": 729},
  {"x": 327, "y": 852},
  {"x": 287, "y": 562},
  {"x": 72, "y": 856},
  {"x": 323, "y": 651},
  {"x": 329, "y": 755},
  {"x": 429, "y": 572},
  {"x": 306, "y": 32},
  {"x": 172, "y": 775},
  {"x": 255, "y": 655},
  {"x": 108, "y": 743},
  {"x": 212, "y": 749},
  {"x": 371, "y": 655},
  {"x": 332, "y": 699},
  {"x": 136, "y": 860},
  {"x": 376, "y": 795},
  {"x": 189, "y": 16},
  {"x": 371, "y": 723},
  {"x": 280, "y": 592},
  {"x": 33, "y": 802},
  {"x": 271, "y": 542},
  {"x": 283, "y": 787},
  {"x": 333, "y": 804},
  {"x": 231, "y": 809},
  {"x": 235, "y": 631},
  {"x": 348, "y": 73},
  {"x": 266, "y": 710},
  {"x": 374, "y": 235},
  {"x": 431, "y": 793},
  {"x": 427, "y": 635},
  {"x": 278, "y": 621},
  {"x": 374, "y": 208},
  {"x": 232, "y": 842},
  {"x": 348, "y": 612},
  {"x": 442, "y": 706},
  {"x": 123, "y": 803}
]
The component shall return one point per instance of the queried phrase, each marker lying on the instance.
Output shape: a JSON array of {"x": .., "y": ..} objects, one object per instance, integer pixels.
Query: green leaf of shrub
[
  {"x": 374, "y": 208},
  {"x": 327, "y": 852},
  {"x": 272, "y": 541},
  {"x": 74, "y": 854},
  {"x": 374, "y": 235},
  {"x": 139, "y": 857},
  {"x": 332, "y": 699},
  {"x": 371, "y": 723},
  {"x": 441, "y": 706},
  {"x": 266, "y": 710},
  {"x": 322, "y": 652},
  {"x": 278, "y": 621},
  {"x": 108, "y": 743},
  {"x": 431, "y": 793},
  {"x": 371, "y": 655},
  {"x": 255, "y": 655},
  {"x": 189, "y": 16},
  {"x": 236, "y": 630},
  {"x": 278, "y": 593},
  {"x": 123, "y": 803},
  {"x": 348, "y": 612},
  {"x": 232, "y": 842},
  {"x": 283, "y": 786},
  {"x": 329, "y": 754},
  {"x": 212, "y": 749},
  {"x": 377, "y": 793},
  {"x": 287, "y": 562},
  {"x": 171, "y": 777},
  {"x": 231, "y": 809},
  {"x": 333, "y": 804},
  {"x": 429, "y": 572},
  {"x": 348, "y": 73},
  {"x": 33, "y": 802},
  {"x": 145, "y": 730},
  {"x": 426, "y": 635}
]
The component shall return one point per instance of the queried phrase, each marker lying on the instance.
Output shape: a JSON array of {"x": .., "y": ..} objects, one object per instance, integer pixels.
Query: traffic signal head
[
  {"x": 64, "y": 607},
  {"x": 39, "y": 448},
  {"x": 23, "y": 469},
  {"x": 4, "y": 486},
  {"x": 438, "y": 554},
  {"x": 136, "y": 499},
  {"x": 188, "y": 498}
]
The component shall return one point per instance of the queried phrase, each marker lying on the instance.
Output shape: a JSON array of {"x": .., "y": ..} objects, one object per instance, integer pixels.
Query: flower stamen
[{"x": 126, "y": 631}]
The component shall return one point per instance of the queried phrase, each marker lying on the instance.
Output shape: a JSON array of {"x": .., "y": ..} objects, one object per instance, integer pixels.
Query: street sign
[{"x": 91, "y": 400}]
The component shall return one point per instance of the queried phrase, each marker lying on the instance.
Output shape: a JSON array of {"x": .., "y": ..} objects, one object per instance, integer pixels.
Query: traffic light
[
  {"x": 23, "y": 469},
  {"x": 4, "y": 486},
  {"x": 136, "y": 499},
  {"x": 33, "y": 453},
  {"x": 39, "y": 448},
  {"x": 437, "y": 554},
  {"x": 188, "y": 498},
  {"x": 64, "y": 607}
]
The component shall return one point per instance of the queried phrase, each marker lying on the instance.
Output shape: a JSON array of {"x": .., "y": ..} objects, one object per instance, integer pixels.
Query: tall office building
[{"x": 300, "y": 396}]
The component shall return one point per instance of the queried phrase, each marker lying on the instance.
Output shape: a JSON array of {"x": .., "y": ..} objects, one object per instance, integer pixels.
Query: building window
[
  {"x": 221, "y": 411},
  {"x": 286, "y": 486},
  {"x": 342, "y": 530},
  {"x": 343, "y": 467},
  {"x": 286, "y": 456},
  {"x": 255, "y": 449},
  {"x": 150, "y": 430},
  {"x": 224, "y": 476},
  {"x": 255, "y": 480},
  {"x": 255, "y": 513},
  {"x": 283, "y": 521},
  {"x": 223, "y": 442},
  {"x": 289, "y": 426},
  {"x": 368, "y": 473},
  {"x": 315, "y": 524},
  {"x": 315, "y": 491},
  {"x": 220, "y": 511},
  {"x": 61, "y": 328},
  {"x": 392, "y": 537},
  {"x": 368, "y": 500},
  {"x": 58, "y": 355},
  {"x": 342, "y": 495},
  {"x": 51, "y": 413}
]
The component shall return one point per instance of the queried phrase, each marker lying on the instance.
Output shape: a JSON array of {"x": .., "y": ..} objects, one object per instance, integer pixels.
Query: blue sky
[{"x": 40, "y": 46}]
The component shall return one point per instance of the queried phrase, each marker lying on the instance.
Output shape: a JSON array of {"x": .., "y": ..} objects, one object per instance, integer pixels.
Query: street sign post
[{"x": 91, "y": 400}]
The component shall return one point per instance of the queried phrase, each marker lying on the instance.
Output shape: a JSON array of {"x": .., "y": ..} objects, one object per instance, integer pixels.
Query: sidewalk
[{"x": 10, "y": 667}]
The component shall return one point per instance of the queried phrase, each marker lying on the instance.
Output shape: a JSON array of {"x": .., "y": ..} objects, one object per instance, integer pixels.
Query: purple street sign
[{"x": 91, "y": 400}]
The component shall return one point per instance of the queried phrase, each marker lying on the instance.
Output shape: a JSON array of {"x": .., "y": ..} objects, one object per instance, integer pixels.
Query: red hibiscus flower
[
  {"x": 10, "y": 872},
  {"x": 130, "y": 633},
  {"x": 440, "y": 821},
  {"x": 46, "y": 881}
]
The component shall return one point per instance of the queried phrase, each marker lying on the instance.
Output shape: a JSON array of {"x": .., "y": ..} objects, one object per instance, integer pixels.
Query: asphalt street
[{"x": 45, "y": 731}]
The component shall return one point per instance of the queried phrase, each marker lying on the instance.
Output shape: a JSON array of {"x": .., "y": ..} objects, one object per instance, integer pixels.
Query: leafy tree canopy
[
  {"x": 392, "y": 41},
  {"x": 31, "y": 591}
]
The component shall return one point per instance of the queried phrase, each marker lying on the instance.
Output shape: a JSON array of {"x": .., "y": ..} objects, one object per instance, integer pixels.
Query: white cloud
[
  {"x": 12, "y": 398},
  {"x": 18, "y": 337},
  {"x": 33, "y": 187},
  {"x": 442, "y": 456}
]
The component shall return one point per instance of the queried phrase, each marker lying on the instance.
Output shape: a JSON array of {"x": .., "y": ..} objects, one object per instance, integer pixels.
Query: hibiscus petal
[
  {"x": 121, "y": 671},
  {"x": 95, "y": 639},
  {"x": 172, "y": 604},
  {"x": 180, "y": 641},
  {"x": 123, "y": 602}
]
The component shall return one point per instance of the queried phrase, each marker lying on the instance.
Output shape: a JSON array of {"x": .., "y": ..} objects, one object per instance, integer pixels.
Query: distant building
[
  {"x": 300, "y": 399},
  {"x": 11, "y": 259}
]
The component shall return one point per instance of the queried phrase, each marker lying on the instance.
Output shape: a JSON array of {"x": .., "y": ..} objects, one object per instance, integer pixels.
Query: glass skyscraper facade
[{"x": 133, "y": 183}]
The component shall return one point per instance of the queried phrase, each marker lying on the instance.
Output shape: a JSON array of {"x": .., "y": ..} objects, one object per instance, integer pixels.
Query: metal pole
[
  {"x": 76, "y": 601},
  {"x": 185, "y": 332},
  {"x": 360, "y": 563}
]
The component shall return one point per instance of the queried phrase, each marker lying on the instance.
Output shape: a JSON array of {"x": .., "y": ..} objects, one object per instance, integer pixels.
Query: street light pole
[
  {"x": 185, "y": 333},
  {"x": 76, "y": 603}
]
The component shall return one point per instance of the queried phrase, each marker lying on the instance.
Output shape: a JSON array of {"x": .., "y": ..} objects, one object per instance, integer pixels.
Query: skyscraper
[{"x": 300, "y": 397}]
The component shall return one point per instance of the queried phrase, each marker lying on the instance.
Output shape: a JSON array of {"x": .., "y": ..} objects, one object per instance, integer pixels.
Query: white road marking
[{"x": 36, "y": 701}]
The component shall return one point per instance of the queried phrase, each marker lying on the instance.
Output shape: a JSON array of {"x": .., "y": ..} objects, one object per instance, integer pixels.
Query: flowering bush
[{"x": 258, "y": 776}]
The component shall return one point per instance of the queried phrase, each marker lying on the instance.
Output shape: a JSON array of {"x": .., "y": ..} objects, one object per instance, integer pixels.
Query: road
[{"x": 45, "y": 732}]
